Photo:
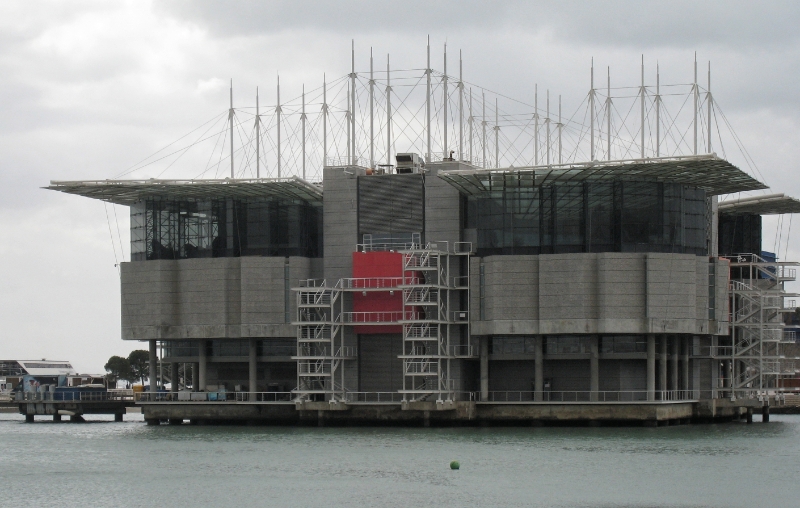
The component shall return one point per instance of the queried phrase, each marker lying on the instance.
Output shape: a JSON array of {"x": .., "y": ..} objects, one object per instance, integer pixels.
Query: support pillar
[
  {"x": 195, "y": 377},
  {"x": 651, "y": 367},
  {"x": 538, "y": 361},
  {"x": 484, "y": 344},
  {"x": 662, "y": 367},
  {"x": 749, "y": 415},
  {"x": 201, "y": 381},
  {"x": 594, "y": 368},
  {"x": 765, "y": 413},
  {"x": 118, "y": 417},
  {"x": 28, "y": 418},
  {"x": 674, "y": 370},
  {"x": 174, "y": 377},
  {"x": 153, "y": 367},
  {"x": 685, "y": 365},
  {"x": 253, "y": 370},
  {"x": 56, "y": 417}
]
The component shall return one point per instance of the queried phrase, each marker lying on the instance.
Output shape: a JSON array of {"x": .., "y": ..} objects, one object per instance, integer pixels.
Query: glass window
[
  {"x": 569, "y": 218},
  {"x": 623, "y": 344},
  {"x": 567, "y": 344}
]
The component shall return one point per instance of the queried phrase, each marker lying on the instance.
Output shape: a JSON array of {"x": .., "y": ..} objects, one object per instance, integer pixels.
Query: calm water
[{"x": 105, "y": 464}]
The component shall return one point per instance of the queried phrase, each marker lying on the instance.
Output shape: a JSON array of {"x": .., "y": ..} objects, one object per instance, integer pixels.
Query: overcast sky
[{"x": 89, "y": 88}]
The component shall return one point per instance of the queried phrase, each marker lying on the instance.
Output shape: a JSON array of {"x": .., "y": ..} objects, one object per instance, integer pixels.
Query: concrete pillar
[
  {"x": 765, "y": 413},
  {"x": 253, "y": 370},
  {"x": 153, "y": 367},
  {"x": 685, "y": 365},
  {"x": 594, "y": 367},
  {"x": 195, "y": 377},
  {"x": 538, "y": 374},
  {"x": 662, "y": 367},
  {"x": 201, "y": 381},
  {"x": 118, "y": 417},
  {"x": 674, "y": 364},
  {"x": 749, "y": 415},
  {"x": 174, "y": 377},
  {"x": 651, "y": 367},
  {"x": 28, "y": 418},
  {"x": 56, "y": 417},
  {"x": 484, "y": 354}
]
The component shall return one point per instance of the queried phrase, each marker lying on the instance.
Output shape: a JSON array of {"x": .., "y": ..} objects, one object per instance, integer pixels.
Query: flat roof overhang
[
  {"x": 128, "y": 192},
  {"x": 770, "y": 204},
  {"x": 709, "y": 172}
]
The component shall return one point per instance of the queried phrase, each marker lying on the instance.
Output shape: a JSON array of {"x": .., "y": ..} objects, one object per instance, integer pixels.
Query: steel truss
[
  {"x": 432, "y": 329},
  {"x": 756, "y": 362}
]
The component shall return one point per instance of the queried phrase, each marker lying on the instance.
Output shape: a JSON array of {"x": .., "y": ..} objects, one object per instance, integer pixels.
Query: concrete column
[
  {"x": 651, "y": 367},
  {"x": 538, "y": 366},
  {"x": 662, "y": 367},
  {"x": 195, "y": 377},
  {"x": 484, "y": 354},
  {"x": 201, "y": 382},
  {"x": 153, "y": 367},
  {"x": 594, "y": 367},
  {"x": 253, "y": 369},
  {"x": 174, "y": 377},
  {"x": 685, "y": 364},
  {"x": 674, "y": 361}
]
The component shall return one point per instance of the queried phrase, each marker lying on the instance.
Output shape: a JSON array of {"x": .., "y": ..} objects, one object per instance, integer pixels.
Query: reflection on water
[{"x": 102, "y": 463}]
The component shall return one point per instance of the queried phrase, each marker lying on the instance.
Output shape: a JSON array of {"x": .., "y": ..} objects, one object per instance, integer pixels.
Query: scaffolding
[
  {"x": 433, "y": 331},
  {"x": 320, "y": 343},
  {"x": 756, "y": 363}
]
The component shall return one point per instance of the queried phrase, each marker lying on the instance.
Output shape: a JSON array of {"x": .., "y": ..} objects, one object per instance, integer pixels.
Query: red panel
[{"x": 381, "y": 269}]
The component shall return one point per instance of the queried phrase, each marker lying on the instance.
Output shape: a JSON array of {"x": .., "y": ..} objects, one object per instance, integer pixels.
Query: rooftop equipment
[{"x": 409, "y": 163}]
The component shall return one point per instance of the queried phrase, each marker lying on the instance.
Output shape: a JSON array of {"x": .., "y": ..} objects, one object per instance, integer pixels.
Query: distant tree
[
  {"x": 119, "y": 368},
  {"x": 139, "y": 361}
]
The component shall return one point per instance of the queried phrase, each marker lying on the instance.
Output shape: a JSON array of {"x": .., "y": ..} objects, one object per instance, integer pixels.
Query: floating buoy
[{"x": 455, "y": 465}]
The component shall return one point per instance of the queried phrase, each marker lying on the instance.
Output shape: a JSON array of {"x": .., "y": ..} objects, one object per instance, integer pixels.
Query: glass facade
[
  {"x": 590, "y": 217},
  {"x": 163, "y": 229},
  {"x": 566, "y": 344},
  {"x": 739, "y": 234},
  {"x": 230, "y": 347}
]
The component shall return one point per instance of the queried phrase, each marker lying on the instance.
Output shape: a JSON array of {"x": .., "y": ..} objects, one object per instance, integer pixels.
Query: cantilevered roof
[
  {"x": 128, "y": 192},
  {"x": 709, "y": 172},
  {"x": 770, "y": 204}
]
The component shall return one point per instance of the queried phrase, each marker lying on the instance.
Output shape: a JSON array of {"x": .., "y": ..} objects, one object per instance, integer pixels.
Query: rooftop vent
[{"x": 409, "y": 163}]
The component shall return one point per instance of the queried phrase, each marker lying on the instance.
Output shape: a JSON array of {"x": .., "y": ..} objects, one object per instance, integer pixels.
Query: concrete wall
[
  {"x": 605, "y": 293},
  {"x": 210, "y": 297},
  {"x": 340, "y": 219}
]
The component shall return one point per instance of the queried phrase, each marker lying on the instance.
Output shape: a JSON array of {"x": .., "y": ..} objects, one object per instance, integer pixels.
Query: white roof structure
[
  {"x": 47, "y": 367},
  {"x": 769, "y": 204},
  {"x": 128, "y": 192},
  {"x": 709, "y": 172}
]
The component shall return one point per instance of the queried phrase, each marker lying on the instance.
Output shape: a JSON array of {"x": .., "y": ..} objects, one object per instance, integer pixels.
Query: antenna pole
[
  {"x": 560, "y": 125},
  {"x": 324, "y": 120},
  {"x": 303, "y": 132},
  {"x": 258, "y": 139},
  {"x": 230, "y": 116},
  {"x": 471, "y": 123},
  {"x": 695, "y": 92},
  {"x": 353, "y": 101},
  {"x": 536, "y": 125},
  {"x": 388, "y": 113},
  {"x": 460, "y": 107},
  {"x": 710, "y": 101},
  {"x": 496, "y": 135},
  {"x": 278, "y": 123},
  {"x": 444, "y": 84},
  {"x": 658, "y": 112},
  {"x": 642, "y": 110},
  {"x": 483, "y": 125},
  {"x": 371, "y": 113},
  {"x": 347, "y": 121},
  {"x": 547, "y": 124},
  {"x": 608, "y": 116},
  {"x": 428, "y": 103},
  {"x": 591, "y": 114}
]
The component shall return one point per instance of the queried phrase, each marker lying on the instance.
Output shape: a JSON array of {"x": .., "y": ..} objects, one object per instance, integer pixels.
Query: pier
[{"x": 73, "y": 404}]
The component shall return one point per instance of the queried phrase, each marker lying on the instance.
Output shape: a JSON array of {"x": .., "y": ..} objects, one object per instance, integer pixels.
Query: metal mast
[
  {"x": 547, "y": 123},
  {"x": 536, "y": 124},
  {"x": 347, "y": 121},
  {"x": 444, "y": 84},
  {"x": 428, "y": 104},
  {"x": 483, "y": 125},
  {"x": 608, "y": 116},
  {"x": 591, "y": 114},
  {"x": 710, "y": 102},
  {"x": 371, "y": 112},
  {"x": 658, "y": 112},
  {"x": 303, "y": 133},
  {"x": 230, "y": 117},
  {"x": 496, "y": 135},
  {"x": 388, "y": 113},
  {"x": 353, "y": 102},
  {"x": 460, "y": 107},
  {"x": 641, "y": 92},
  {"x": 695, "y": 92},
  {"x": 278, "y": 123},
  {"x": 324, "y": 120},
  {"x": 560, "y": 125},
  {"x": 471, "y": 123},
  {"x": 258, "y": 139}
]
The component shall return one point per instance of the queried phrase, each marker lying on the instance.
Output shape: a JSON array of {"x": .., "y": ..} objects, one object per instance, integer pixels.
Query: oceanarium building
[{"x": 445, "y": 291}]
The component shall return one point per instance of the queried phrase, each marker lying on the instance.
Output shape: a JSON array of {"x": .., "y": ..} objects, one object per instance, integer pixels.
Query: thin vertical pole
[
  {"x": 303, "y": 130},
  {"x": 658, "y": 112},
  {"x": 230, "y": 117},
  {"x": 536, "y": 125},
  {"x": 496, "y": 135},
  {"x": 278, "y": 123},
  {"x": 608, "y": 116},
  {"x": 371, "y": 113},
  {"x": 694, "y": 90},
  {"x": 560, "y": 125},
  {"x": 388, "y": 113},
  {"x": 591, "y": 114},
  {"x": 353, "y": 102},
  {"x": 641, "y": 92},
  {"x": 347, "y": 121},
  {"x": 460, "y": 107},
  {"x": 428, "y": 104},
  {"x": 258, "y": 139},
  {"x": 483, "y": 125},
  {"x": 444, "y": 85},
  {"x": 710, "y": 102},
  {"x": 471, "y": 124},
  {"x": 324, "y": 120},
  {"x": 547, "y": 124}
]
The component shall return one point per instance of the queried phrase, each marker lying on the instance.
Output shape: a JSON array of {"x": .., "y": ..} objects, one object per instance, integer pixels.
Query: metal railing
[
  {"x": 249, "y": 397},
  {"x": 74, "y": 396},
  {"x": 371, "y": 283},
  {"x": 589, "y": 396},
  {"x": 373, "y": 397}
]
